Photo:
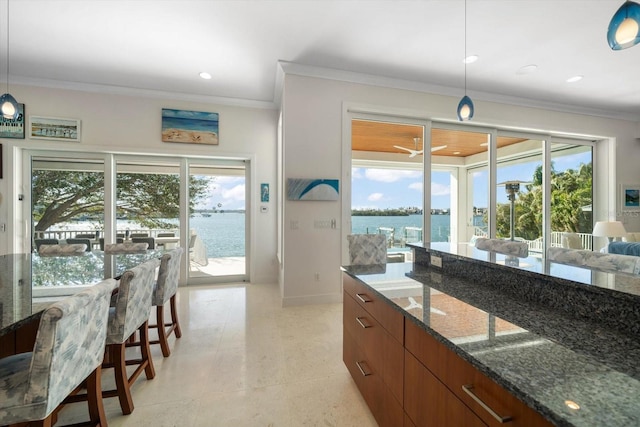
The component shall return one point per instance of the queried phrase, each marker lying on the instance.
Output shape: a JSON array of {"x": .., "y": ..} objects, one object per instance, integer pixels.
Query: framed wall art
[
  {"x": 13, "y": 128},
  {"x": 54, "y": 128},
  {"x": 630, "y": 197},
  {"x": 312, "y": 189},
  {"x": 191, "y": 127}
]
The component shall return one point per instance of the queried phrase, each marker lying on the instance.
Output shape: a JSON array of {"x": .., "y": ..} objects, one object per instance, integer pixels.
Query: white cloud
[
  {"x": 390, "y": 175},
  {"x": 235, "y": 194},
  {"x": 375, "y": 197},
  {"x": 440, "y": 189},
  {"x": 416, "y": 186},
  {"x": 356, "y": 173}
]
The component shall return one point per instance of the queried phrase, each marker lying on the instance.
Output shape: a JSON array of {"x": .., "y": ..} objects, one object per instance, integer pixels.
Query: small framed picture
[
  {"x": 264, "y": 192},
  {"x": 13, "y": 128},
  {"x": 630, "y": 197},
  {"x": 54, "y": 128}
]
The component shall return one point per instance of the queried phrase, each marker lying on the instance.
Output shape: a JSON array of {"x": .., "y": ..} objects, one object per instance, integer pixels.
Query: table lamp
[{"x": 609, "y": 229}]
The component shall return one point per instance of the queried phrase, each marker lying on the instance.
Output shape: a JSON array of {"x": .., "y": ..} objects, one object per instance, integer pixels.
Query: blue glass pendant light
[
  {"x": 8, "y": 104},
  {"x": 465, "y": 107},
  {"x": 624, "y": 28}
]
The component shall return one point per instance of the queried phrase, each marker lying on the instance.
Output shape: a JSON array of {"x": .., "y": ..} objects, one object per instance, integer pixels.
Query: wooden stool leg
[
  {"x": 162, "y": 332},
  {"x": 145, "y": 349},
  {"x": 174, "y": 317},
  {"x": 122, "y": 381},
  {"x": 94, "y": 398}
]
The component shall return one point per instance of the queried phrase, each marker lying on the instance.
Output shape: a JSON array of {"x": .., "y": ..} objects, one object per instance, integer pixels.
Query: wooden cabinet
[
  {"x": 489, "y": 401},
  {"x": 410, "y": 379},
  {"x": 373, "y": 356},
  {"x": 429, "y": 403}
]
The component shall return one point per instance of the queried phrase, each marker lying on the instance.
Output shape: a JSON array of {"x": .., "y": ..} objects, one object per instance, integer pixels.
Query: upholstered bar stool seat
[
  {"x": 165, "y": 291},
  {"x": 125, "y": 248},
  {"x": 68, "y": 351},
  {"x": 129, "y": 314}
]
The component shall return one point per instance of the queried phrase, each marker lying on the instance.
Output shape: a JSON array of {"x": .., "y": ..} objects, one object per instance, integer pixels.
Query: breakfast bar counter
[{"x": 571, "y": 367}]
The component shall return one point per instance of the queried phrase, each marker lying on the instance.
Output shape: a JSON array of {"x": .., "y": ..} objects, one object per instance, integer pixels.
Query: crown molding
[
  {"x": 293, "y": 68},
  {"x": 147, "y": 93}
]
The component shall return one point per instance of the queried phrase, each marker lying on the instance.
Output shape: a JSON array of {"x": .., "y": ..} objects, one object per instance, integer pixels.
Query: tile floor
[{"x": 245, "y": 361}]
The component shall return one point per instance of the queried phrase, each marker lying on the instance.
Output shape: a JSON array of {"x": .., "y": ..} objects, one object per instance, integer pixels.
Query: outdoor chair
[
  {"x": 166, "y": 234},
  {"x": 130, "y": 314},
  {"x": 78, "y": 241},
  {"x": 68, "y": 353},
  {"x": 85, "y": 236},
  {"x": 139, "y": 235}
]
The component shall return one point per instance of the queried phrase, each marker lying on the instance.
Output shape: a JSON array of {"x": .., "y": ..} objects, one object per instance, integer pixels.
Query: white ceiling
[{"x": 162, "y": 45}]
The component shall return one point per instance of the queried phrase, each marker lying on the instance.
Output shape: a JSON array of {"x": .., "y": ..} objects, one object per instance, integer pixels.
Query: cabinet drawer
[
  {"x": 385, "y": 354},
  {"x": 429, "y": 403},
  {"x": 455, "y": 373},
  {"x": 384, "y": 407},
  {"x": 380, "y": 309}
]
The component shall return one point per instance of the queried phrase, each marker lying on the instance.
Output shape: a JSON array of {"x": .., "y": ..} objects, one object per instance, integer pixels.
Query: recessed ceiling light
[
  {"x": 456, "y": 152},
  {"x": 574, "y": 79},
  {"x": 527, "y": 69},
  {"x": 484, "y": 144},
  {"x": 470, "y": 59},
  {"x": 205, "y": 75}
]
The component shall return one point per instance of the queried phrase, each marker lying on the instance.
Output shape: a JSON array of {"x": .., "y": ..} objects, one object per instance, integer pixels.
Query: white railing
[{"x": 72, "y": 234}]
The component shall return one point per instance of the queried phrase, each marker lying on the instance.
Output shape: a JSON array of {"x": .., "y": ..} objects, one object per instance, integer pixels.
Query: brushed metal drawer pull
[
  {"x": 363, "y": 297},
  {"x": 364, "y": 325},
  {"x": 469, "y": 390},
  {"x": 364, "y": 372}
]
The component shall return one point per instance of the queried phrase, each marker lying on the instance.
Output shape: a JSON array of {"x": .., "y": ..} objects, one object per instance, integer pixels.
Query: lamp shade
[
  {"x": 624, "y": 28},
  {"x": 609, "y": 229},
  {"x": 465, "y": 109},
  {"x": 9, "y": 107}
]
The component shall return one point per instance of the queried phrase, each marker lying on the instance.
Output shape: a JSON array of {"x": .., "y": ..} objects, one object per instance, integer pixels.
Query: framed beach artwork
[
  {"x": 301, "y": 189},
  {"x": 190, "y": 127},
  {"x": 55, "y": 128},
  {"x": 13, "y": 128},
  {"x": 630, "y": 197}
]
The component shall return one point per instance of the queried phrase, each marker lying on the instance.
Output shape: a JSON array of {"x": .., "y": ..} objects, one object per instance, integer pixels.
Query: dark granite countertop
[{"x": 543, "y": 354}]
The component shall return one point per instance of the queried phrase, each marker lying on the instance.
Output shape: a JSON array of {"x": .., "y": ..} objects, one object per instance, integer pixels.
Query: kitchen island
[{"x": 476, "y": 342}]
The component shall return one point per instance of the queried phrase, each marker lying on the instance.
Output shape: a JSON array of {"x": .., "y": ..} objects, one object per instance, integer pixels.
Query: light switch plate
[{"x": 436, "y": 261}]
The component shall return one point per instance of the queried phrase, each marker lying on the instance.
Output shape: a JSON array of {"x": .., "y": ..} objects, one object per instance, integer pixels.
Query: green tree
[
  {"x": 571, "y": 191},
  {"x": 60, "y": 196}
]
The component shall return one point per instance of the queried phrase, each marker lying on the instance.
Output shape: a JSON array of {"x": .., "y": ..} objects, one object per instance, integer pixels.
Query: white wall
[
  {"x": 312, "y": 126},
  {"x": 132, "y": 124}
]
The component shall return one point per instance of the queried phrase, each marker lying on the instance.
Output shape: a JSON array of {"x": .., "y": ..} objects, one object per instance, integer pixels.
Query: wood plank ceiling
[{"x": 367, "y": 135}]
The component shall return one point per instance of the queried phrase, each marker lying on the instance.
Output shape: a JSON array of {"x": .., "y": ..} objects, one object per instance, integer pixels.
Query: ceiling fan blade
[
  {"x": 403, "y": 148},
  {"x": 438, "y": 148}
]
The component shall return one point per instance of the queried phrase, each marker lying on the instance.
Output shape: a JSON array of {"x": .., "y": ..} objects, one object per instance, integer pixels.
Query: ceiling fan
[{"x": 413, "y": 153}]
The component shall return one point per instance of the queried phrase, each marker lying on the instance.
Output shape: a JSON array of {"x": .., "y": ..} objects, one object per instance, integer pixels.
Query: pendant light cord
[
  {"x": 8, "y": 46},
  {"x": 464, "y": 60}
]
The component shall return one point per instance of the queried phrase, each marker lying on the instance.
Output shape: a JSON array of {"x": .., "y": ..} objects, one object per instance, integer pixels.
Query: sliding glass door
[
  {"x": 218, "y": 222},
  {"x": 72, "y": 198}
]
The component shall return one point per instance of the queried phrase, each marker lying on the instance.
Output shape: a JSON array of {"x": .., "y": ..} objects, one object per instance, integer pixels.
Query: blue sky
[{"x": 390, "y": 188}]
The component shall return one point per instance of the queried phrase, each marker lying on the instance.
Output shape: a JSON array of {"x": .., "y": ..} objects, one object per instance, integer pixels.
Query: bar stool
[
  {"x": 130, "y": 314},
  {"x": 68, "y": 352},
  {"x": 165, "y": 291}
]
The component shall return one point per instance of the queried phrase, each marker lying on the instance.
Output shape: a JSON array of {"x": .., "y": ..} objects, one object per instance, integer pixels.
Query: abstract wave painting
[{"x": 312, "y": 189}]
